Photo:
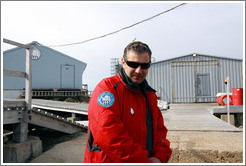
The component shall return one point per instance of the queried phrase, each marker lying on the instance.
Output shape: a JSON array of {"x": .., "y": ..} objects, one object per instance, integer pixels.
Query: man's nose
[{"x": 138, "y": 69}]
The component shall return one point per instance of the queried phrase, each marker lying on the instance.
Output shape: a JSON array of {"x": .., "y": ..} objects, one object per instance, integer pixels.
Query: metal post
[
  {"x": 28, "y": 92},
  {"x": 172, "y": 82},
  {"x": 195, "y": 81},
  {"x": 228, "y": 101}
]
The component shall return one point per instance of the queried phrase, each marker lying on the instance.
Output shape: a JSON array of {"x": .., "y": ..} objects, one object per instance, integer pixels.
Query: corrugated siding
[
  {"x": 234, "y": 70},
  {"x": 191, "y": 79}
]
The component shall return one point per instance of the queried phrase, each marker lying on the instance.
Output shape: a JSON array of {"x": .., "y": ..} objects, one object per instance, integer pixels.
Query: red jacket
[{"x": 117, "y": 125}]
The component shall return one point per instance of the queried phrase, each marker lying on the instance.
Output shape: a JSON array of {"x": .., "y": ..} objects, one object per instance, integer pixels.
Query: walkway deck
[
  {"x": 78, "y": 108},
  {"x": 180, "y": 117},
  {"x": 194, "y": 117}
]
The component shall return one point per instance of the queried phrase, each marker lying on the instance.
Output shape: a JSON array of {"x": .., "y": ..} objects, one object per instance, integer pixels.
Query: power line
[{"x": 127, "y": 27}]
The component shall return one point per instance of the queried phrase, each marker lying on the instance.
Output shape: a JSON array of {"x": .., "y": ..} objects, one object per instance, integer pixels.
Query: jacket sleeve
[
  {"x": 108, "y": 130},
  {"x": 161, "y": 146}
]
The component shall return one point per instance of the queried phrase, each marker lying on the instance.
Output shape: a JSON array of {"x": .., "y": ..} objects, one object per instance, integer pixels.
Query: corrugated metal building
[
  {"x": 50, "y": 69},
  {"x": 194, "y": 78}
]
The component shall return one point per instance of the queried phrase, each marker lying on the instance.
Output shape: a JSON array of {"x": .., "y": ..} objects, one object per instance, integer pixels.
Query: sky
[{"x": 215, "y": 29}]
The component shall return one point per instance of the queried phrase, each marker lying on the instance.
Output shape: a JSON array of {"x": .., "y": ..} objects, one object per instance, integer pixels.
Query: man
[{"x": 125, "y": 123}]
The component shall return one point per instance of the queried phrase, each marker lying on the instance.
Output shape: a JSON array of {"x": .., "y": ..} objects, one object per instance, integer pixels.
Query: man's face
[{"x": 137, "y": 75}]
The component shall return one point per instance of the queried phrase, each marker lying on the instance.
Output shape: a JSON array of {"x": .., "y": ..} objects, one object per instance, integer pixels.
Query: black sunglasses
[{"x": 136, "y": 64}]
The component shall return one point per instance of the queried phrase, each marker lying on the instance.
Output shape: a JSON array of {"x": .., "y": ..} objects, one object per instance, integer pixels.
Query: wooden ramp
[{"x": 12, "y": 113}]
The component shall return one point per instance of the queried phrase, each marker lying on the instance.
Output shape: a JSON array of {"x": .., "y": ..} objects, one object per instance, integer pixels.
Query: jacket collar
[{"x": 144, "y": 86}]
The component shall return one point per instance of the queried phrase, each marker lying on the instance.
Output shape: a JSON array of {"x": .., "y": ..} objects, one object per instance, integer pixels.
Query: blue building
[{"x": 50, "y": 69}]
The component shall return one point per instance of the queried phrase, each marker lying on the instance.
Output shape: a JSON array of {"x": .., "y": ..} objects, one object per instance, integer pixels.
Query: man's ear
[{"x": 123, "y": 62}]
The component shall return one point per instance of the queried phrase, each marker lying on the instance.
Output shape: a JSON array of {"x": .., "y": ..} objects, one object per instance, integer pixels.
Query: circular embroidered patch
[{"x": 106, "y": 99}]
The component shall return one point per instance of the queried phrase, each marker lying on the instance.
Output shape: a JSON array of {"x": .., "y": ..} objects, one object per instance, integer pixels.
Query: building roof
[
  {"x": 197, "y": 54},
  {"x": 40, "y": 45}
]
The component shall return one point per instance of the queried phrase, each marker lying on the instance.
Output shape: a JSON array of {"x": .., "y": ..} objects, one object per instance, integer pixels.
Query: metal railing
[{"x": 58, "y": 93}]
